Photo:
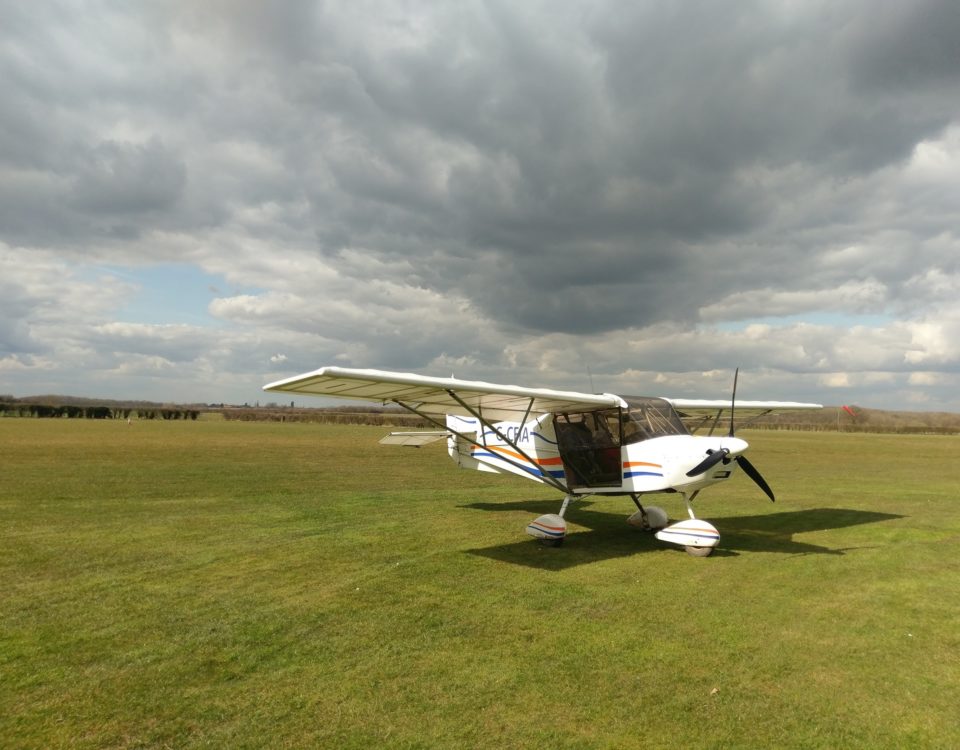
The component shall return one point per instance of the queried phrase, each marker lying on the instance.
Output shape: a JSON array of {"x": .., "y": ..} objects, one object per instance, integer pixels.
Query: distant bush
[
  {"x": 326, "y": 416},
  {"x": 71, "y": 411}
]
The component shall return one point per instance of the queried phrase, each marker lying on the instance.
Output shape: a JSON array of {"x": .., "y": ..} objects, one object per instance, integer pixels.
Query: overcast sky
[{"x": 636, "y": 197}]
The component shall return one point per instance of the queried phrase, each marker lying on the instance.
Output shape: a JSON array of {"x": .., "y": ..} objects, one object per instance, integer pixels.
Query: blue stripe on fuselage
[{"x": 529, "y": 469}]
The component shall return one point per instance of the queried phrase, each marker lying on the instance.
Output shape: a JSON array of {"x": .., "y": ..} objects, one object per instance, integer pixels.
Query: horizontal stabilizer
[{"x": 413, "y": 439}]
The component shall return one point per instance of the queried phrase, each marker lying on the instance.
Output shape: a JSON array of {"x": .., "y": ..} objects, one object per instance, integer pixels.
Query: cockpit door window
[{"x": 589, "y": 444}]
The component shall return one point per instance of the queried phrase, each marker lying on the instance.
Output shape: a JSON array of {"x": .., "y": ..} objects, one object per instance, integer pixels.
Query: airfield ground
[{"x": 223, "y": 584}]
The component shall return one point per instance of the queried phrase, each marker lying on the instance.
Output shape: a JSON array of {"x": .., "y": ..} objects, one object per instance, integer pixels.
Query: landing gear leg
[
  {"x": 688, "y": 502},
  {"x": 647, "y": 519},
  {"x": 695, "y": 550},
  {"x": 558, "y": 541}
]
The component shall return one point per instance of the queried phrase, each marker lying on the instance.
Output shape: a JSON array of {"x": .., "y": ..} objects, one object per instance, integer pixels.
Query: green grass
[{"x": 223, "y": 584}]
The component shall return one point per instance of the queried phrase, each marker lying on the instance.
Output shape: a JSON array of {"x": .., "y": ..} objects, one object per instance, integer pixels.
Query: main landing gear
[
  {"x": 551, "y": 529},
  {"x": 699, "y": 538},
  {"x": 651, "y": 518},
  {"x": 693, "y": 535}
]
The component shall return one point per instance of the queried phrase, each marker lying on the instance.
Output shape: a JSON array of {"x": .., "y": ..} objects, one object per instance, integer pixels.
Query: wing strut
[
  {"x": 485, "y": 424},
  {"x": 716, "y": 421}
]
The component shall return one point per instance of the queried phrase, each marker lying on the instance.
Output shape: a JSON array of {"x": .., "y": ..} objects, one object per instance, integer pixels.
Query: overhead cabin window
[{"x": 646, "y": 418}]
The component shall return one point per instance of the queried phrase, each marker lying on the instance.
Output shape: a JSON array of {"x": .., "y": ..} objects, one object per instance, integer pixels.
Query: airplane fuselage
[{"x": 601, "y": 462}]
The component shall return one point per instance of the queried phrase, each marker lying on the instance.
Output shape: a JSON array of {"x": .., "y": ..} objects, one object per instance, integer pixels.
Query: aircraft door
[{"x": 589, "y": 444}]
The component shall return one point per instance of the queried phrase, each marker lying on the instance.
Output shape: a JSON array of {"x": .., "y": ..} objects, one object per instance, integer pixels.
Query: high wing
[
  {"x": 697, "y": 412},
  {"x": 490, "y": 401},
  {"x": 696, "y": 407}
]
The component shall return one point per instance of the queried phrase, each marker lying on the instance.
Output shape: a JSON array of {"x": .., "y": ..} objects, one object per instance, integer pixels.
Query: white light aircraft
[{"x": 581, "y": 444}]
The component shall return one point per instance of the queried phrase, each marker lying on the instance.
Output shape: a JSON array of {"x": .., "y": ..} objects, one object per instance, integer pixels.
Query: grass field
[{"x": 222, "y": 584}]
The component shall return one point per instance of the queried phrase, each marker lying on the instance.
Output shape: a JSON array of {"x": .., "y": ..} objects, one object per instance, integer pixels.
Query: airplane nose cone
[
  {"x": 736, "y": 446},
  {"x": 716, "y": 450}
]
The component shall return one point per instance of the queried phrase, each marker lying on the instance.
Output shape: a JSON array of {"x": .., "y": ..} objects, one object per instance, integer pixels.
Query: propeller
[
  {"x": 751, "y": 471},
  {"x": 733, "y": 399},
  {"x": 716, "y": 456},
  {"x": 712, "y": 459}
]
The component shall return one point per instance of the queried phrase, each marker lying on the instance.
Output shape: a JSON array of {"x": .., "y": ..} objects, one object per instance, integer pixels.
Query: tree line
[
  {"x": 70, "y": 411},
  {"x": 335, "y": 415}
]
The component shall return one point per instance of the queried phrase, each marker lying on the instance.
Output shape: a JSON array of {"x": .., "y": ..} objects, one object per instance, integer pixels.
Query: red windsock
[{"x": 849, "y": 411}]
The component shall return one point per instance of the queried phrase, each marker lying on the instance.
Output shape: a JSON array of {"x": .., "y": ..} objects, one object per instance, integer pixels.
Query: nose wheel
[{"x": 696, "y": 536}]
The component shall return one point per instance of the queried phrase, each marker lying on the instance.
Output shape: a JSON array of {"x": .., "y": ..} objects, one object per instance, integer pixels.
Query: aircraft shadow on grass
[{"x": 609, "y": 536}]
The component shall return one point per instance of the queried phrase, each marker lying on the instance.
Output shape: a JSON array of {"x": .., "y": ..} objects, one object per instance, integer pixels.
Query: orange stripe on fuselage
[
  {"x": 550, "y": 461},
  {"x": 514, "y": 454},
  {"x": 628, "y": 464}
]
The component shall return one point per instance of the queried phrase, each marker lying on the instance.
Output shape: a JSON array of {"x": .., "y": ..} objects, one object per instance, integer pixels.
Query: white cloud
[
  {"x": 142, "y": 365},
  {"x": 926, "y": 378},
  {"x": 931, "y": 344},
  {"x": 854, "y": 296}
]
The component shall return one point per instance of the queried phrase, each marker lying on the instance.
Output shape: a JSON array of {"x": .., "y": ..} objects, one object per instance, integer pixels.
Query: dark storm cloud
[
  {"x": 908, "y": 46},
  {"x": 70, "y": 75},
  {"x": 14, "y": 331},
  {"x": 527, "y": 172},
  {"x": 618, "y": 146},
  {"x": 107, "y": 190},
  {"x": 115, "y": 178}
]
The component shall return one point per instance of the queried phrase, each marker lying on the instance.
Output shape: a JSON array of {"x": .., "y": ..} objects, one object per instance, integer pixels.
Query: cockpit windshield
[{"x": 646, "y": 418}]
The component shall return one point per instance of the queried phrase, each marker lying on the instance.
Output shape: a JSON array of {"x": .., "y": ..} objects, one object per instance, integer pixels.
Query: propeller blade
[
  {"x": 751, "y": 471},
  {"x": 712, "y": 459},
  {"x": 733, "y": 398}
]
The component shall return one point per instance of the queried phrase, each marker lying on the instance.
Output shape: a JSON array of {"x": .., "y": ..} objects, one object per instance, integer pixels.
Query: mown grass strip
[{"x": 249, "y": 585}]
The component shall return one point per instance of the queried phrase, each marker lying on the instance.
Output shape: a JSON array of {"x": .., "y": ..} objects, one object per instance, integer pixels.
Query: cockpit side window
[
  {"x": 646, "y": 418},
  {"x": 596, "y": 429}
]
